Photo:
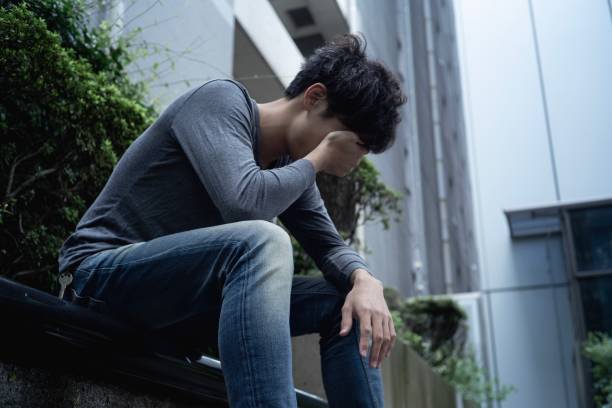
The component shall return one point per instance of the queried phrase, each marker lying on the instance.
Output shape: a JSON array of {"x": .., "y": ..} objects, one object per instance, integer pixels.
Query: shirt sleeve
[
  {"x": 213, "y": 128},
  {"x": 308, "y": 221}
]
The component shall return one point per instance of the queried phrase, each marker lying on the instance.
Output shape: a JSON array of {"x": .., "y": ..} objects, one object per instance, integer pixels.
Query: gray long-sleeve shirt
[{"x": 197, "y": 166}]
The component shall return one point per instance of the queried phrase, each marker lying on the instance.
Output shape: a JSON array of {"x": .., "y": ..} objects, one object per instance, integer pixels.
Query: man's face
[{"x": 310, "y": 127}]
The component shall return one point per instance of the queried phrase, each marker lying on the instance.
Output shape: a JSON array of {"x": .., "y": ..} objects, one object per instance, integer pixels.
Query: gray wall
[
  {"x": 460, "y": 222},
  {"x": 410, "y": 255},
  {"x": 387, "y": 251},
  {"x": 199, "y": 36}
]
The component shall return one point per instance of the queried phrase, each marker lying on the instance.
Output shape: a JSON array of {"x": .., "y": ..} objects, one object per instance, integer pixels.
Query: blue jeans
[{"x": 233, "y": 284}]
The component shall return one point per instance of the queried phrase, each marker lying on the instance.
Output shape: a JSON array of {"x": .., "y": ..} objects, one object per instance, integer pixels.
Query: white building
[{"x": 537, "y": 82}]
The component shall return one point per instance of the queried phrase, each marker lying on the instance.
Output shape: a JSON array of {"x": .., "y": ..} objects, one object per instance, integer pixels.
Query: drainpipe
[
  {"x": 412, "y": 166},
  {"x": 439, "y": 155}
]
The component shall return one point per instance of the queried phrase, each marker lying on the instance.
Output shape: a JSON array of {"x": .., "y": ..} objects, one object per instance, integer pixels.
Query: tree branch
[
  {"x": 30, "y": 271},
  {"x": 29, "y": 181},
  {"x": 16, "y": 163}
]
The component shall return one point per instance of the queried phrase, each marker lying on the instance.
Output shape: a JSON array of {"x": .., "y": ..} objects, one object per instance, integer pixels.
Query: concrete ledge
[
  {"x": 49, "y": 344},
  {"x": 31, "y": 387}
]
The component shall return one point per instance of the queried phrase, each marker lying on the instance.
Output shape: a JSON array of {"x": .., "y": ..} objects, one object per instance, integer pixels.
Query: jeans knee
[
  {"x": 273, "y": 238},
  {"x": 271, "y": 232},
  {"x": 269, "y": 246}
]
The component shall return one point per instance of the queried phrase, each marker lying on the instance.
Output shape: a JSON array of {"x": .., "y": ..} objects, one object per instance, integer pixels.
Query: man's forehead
[{"x": 339, "y": 125}]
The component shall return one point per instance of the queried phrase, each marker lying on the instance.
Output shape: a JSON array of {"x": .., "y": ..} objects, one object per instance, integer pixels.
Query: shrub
[
  {"x": 66, "y": 114},
  {"x": 598, "y": 349},
  {"x": 355, "y": 199},
  {"x": 435, "y": 327}
]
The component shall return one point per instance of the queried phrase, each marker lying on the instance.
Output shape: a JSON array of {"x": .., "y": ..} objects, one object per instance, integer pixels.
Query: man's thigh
[
  {"x": 315, "y": 308},
  {"x": 167, "y": 280}
]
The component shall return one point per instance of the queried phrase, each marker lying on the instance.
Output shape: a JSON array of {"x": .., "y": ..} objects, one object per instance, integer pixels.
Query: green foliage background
[
  {"x": 598, "y": 349},
  {"x": 359, "y": 197},
  {"x": 67, "y": 112},
  {"x": 435, "y": 327}
]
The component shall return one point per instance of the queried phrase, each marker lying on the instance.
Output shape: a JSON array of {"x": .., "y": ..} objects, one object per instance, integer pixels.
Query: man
[{"x": 180, "y": 240}]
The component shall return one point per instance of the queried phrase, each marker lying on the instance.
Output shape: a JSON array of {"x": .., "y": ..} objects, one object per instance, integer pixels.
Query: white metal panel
[
  {"x": 575, "y": 38},
  {"x": 529, "y": 350},
  {"x": 530, "y": 331},
  {"x": 509, "y": 152},
  {"x": 537, "y": 261}
]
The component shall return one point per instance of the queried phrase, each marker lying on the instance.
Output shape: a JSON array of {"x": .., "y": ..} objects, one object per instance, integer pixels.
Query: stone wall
[{"x": 32, "y": 387}]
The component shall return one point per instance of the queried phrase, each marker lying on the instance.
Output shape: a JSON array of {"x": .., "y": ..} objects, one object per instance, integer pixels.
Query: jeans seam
[
  {"x": 180, "y": 251},
  {"x": 90, "y": 271},
  {"x": 309, "y": 292},
  {"x": 243, "y": 322},
  {"x": 365, "y": 372},
  {"x": 85, "y": 297}
]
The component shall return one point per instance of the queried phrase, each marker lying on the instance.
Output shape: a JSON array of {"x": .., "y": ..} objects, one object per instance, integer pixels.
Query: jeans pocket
[{"x": 97, "y": 305}]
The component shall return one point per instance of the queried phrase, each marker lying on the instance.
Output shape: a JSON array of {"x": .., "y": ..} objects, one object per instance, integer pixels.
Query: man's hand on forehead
[{"x": 338, "y": 153}]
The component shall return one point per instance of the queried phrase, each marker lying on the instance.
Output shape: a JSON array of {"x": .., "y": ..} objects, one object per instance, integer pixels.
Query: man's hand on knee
[{"x": 366, "y": 303}]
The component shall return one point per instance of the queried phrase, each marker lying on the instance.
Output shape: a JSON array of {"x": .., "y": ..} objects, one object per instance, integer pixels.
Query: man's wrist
[
  {"x": 314, "y": 159},
  {"x": 359, "y": 275}
]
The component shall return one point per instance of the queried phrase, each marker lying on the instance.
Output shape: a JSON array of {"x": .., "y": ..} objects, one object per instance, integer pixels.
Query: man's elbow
[{"x": 235, "y": 212}]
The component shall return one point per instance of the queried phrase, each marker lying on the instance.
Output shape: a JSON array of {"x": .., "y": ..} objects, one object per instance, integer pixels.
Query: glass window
[
  {"x": 592, "y": 235},
  {"x": 596, "y": 293}
]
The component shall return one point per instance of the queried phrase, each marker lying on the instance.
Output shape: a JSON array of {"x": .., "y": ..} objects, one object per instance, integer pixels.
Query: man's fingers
[
  {"x": 365, "y": 330},
  {"x": 347, "y": 320},
  {"x": 384, "y": 351},
  {"x": 364, "y": 148},
  {"x": 377, "y": 340},
  {"x": 392, "y": 334}
]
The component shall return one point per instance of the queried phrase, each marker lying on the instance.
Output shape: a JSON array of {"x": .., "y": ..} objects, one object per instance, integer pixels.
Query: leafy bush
[
  {"x": 355, "y": 199},
  {"x": 598, "y": 349},
  {"x": 66, "y": 114},
  {"x": 435, "y": 328},
  {"x": 360, "y": 194}
]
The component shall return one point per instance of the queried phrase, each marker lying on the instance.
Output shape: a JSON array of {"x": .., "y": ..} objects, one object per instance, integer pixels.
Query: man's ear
[{"x": 314, "y": 95}]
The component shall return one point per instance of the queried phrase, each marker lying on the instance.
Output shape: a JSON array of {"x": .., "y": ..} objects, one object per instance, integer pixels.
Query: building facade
[{"x": 536, "y": 80}]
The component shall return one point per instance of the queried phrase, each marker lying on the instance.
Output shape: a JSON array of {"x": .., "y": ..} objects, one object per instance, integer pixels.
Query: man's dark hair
[{"x": 363, "y": 94}]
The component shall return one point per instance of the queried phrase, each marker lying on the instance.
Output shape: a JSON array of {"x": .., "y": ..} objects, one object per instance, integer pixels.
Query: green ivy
[
  {"x": 435, "y": 327},
  {"x": 67, "y": 112},
  {"x": 598, "y": 349},
  {"x": 375, "y": 200},
  {"x": 359, "y": 197}
]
